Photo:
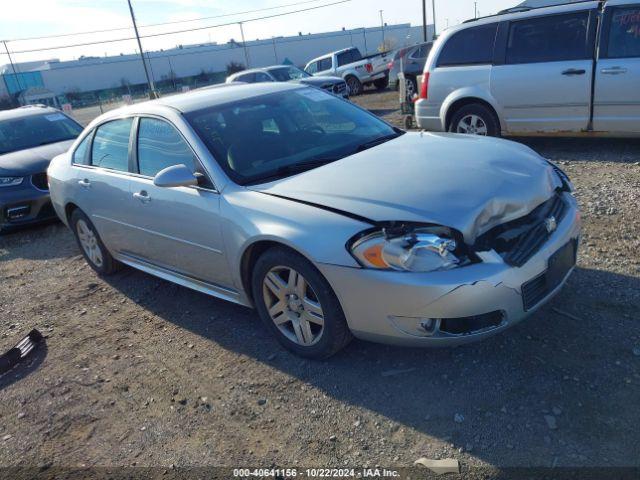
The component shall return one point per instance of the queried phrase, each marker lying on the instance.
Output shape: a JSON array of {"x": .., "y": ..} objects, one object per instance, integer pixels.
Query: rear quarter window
[
  {"x": 624, "y": 34},
  {"x": 551, "y": 38},
  {"x": 472, "y": 46}
]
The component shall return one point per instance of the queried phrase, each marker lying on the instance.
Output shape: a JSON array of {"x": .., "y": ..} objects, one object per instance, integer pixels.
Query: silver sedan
[{"x": 327, "y": 220}]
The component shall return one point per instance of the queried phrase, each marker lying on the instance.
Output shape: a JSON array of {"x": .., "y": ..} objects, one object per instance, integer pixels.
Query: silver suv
[{"x": 570, "y": 70}]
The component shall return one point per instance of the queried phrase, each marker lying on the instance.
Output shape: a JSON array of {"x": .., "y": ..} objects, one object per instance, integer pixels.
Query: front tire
[
  {"x": 297, "y": 305},
  {"x": 93, "y": 250},
  {"x": 475, "y": 119}
]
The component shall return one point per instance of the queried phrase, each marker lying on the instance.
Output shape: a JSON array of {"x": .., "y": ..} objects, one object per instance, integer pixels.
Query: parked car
[
  {"x": 289, "y": 73},
  {"x": 357, "y": 71},
  {"x": 410, "y": 61},
  {"x": 326, "y": 219},
  {"x": 29, "y": 138},
  {"x": 565, "y": 70}
]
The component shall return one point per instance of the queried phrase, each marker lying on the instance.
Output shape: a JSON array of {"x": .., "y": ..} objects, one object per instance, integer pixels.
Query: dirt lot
[{"x": 138, "y": 371}]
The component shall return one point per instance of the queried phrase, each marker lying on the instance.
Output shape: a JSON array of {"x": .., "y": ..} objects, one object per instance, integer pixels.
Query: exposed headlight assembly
[
  {"x": 420, "y": 249},
  {"x": 10, "y": 181},
  {"x": 564, "y": 178}
]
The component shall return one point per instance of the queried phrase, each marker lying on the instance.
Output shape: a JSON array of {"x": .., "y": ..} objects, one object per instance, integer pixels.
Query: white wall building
[{"x": 97, "y": 73}]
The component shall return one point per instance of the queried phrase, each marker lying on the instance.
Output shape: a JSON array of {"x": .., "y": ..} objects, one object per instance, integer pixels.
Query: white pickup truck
[{"x": 355, "y": 69}]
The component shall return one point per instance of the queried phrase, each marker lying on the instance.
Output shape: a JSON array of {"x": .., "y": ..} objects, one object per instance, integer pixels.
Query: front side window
[
  {"x": 161, "y": 146},
  {"x": 549, "y": 39},
  {"x": 36, "y": 130},
  {"x": 80, "y": 155},
  {"x": 283, "y": 133},
  {"x": 312, "y": 68},
  {"x": 472, "y": 46},
  {"x": 111, "y": 145},
  {"x": 624, "y": 33}
]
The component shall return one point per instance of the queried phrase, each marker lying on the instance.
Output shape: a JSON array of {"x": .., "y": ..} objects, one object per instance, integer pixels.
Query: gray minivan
[{"x": 570, "y": 69}]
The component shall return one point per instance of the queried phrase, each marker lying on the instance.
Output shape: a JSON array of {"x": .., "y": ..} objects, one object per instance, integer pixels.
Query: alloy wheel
[
  {"x": 472, "y": 125},
  {"x": 89, "y": 243},
  {"x": 293, "y": 305}
]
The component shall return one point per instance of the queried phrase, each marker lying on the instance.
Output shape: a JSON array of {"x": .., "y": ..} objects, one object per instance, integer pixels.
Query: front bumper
[
  {"x": 24, "y": 205},
  {"x": 387, "y": 307}
]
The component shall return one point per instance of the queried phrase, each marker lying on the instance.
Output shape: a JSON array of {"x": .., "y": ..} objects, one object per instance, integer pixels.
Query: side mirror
[{"x": 175, "y": 176}]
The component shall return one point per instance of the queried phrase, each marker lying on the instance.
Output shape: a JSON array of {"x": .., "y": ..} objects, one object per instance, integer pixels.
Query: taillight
[
  {"x": 369, "y": 67},
  {"x": 424, "y": 88},
  {"x": 390, "y": 65}
]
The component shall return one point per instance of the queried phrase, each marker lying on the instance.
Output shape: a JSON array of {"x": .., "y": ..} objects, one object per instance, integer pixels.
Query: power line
[
  {"x": 114, "y": 40},
  {"x": 149, "y": 25}
]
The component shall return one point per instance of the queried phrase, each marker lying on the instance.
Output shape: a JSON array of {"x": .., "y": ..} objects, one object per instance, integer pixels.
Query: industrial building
[{"x": 50, "y": 81}]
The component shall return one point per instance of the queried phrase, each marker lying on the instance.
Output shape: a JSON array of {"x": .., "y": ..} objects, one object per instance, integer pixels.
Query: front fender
[{"x": 317, "y": 234}]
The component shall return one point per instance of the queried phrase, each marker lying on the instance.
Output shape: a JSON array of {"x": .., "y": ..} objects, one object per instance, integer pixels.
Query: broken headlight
[
  {"x": 419, "y": 249},
  {"x": 564, "y": 178}
]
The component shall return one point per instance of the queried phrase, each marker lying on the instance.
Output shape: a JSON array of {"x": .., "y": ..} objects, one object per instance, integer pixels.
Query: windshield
[
  {"x": 284, "y": 74},
  {"x": 35, "y": 130},
  {"x": 263, "y": 138}
]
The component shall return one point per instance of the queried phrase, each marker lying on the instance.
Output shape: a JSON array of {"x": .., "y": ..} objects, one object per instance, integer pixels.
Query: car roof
[
  {"x": 206, "y": 97},
  {"x": 532, "y": 12},
  {"x": 26, "y": 111}
]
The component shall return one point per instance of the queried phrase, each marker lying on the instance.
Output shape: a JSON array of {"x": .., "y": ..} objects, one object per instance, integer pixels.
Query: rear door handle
[
  {"x": 574, "y": 71},
  {"x": 613, "y": 71},
  {"x": 85, "y": 183},
  {"x": 143, "y": 196}
]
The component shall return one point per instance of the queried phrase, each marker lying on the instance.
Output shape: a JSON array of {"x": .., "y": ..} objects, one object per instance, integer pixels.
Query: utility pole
[
  {"x": 433, "y": 4},
  {"x": 152, "y": 88},
  {"x": 475, "y": 9},
  {"x": 275, "y": 53},
  {"x": 244, "y": 45},
  {"x": 13, "y": 67},
  {"x": 424, "y": 20},
  {"x": 382, "y": 27}
]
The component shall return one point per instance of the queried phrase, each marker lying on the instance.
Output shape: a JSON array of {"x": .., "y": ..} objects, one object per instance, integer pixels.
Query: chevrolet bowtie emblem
[{"x": 550, "y": 224}]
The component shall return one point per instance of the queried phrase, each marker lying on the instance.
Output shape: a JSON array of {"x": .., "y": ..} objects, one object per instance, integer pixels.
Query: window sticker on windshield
[
  {"x": 315, "y": 95},
  {"x": 55, "y": 117}
]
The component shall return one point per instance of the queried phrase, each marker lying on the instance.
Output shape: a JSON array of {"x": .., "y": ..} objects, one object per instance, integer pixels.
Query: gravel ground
[{"x": 138, "y": 371}]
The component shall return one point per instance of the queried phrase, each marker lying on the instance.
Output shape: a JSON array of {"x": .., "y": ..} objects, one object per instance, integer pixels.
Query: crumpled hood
[
  {"x": 32, "y": 160},
  {"x": 465, "y": 182}
]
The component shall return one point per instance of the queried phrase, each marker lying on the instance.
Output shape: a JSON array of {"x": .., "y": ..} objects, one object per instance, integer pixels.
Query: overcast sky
[{"x": 30, "y": 18}]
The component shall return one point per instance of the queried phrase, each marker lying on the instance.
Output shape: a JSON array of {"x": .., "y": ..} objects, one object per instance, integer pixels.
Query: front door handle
[
  {"x": 143, "y": 196},
  {"x": 85, "y": 183},
  {"x": 613, "y": 71},
  {"x": 574, "y": 71}
]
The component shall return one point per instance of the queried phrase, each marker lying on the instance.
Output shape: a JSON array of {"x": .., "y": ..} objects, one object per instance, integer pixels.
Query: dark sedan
[
  {"x": 29, "y": 138},
  {"x": 409, "y": 60}
]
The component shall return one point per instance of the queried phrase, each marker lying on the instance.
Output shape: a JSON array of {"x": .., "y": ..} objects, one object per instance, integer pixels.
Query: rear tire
[
  {"x": 300, "y": 309},
  {"x": 354, "y": 84},
  {"x": 381, "y": 83},
  {"x": 93, "y": 250},
  {"x": 475, "y": 119}
]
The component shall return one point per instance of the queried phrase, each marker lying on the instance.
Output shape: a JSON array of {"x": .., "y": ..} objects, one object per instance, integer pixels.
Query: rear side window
[
  {"x": 473, "y": 46},
  {"x": 247, "y": 77},
  {"x": 263, "y": 77},
  {"x": 161, "y": 146},
  {"x": 111, "y": 145},
  {"x": 549, "y": 39},
  {"x": 624, "y": 33}
]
